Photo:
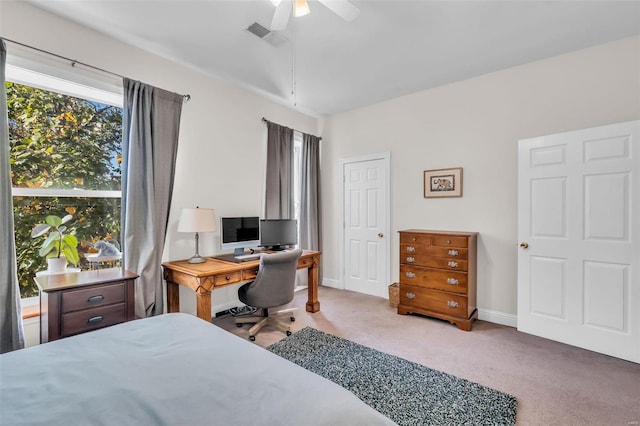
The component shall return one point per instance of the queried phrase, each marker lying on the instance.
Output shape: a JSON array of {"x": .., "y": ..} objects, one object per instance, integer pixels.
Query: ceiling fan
[{"x": 343, "y": 8}]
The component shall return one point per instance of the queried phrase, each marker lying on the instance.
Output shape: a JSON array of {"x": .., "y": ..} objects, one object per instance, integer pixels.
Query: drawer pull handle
[
  {"x": 95, "y": 320},
  {"x": 453, "y": 252},
  {"x": 448, "y": 241},
  {"x": 411, "y": 249},
  {"x": 411, "y": 296},
  {"x": 95, "y": 299},
  {"x": 452, "y": 304},
  {"x": 410, "y": 274},
  {"x": 227, "y": 277},
  {"x": 410, "y": 259},
  {"x": 453, "y": 264},
  {"x": 452, "y": 281}
]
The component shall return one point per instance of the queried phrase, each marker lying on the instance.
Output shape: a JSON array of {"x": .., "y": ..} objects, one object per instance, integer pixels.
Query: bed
[{"x": 173, "y": 369}]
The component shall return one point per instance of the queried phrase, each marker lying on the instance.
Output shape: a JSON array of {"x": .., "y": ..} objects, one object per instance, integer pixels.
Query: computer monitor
[
  {"x": 275, "y": 234},
  {"x": 239, "y": 232}
]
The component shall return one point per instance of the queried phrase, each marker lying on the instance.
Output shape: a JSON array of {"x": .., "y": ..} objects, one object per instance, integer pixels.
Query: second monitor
[{"x": 276, "y": 234}]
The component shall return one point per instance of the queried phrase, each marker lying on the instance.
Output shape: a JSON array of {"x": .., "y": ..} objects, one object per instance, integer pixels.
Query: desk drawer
[
  {"x": 305, "y": 262},
  {"x": 92, "y": 319},
  {"x": 250, "y": 274},
  {"x": 93, "y": 297},
  {"x": 230, "y": 278}
]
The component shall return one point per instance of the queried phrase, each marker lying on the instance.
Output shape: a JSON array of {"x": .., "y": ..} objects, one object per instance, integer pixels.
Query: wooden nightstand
[{"x": 78, "y": 302}]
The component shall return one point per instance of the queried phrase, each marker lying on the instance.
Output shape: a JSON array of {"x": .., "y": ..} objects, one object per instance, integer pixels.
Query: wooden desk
[{"x": 204, "y": 277}]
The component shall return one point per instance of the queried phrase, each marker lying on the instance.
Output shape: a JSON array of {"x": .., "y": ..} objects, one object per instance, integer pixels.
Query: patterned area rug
[{"x": 406, "y": 392}]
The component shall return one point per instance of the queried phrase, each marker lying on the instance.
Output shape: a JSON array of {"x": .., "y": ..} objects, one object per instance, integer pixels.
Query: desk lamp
[{"x": 197, "y": 220}]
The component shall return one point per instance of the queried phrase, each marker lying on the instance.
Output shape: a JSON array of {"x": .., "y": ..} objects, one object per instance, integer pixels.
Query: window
[{"x": 65, "y": 154}]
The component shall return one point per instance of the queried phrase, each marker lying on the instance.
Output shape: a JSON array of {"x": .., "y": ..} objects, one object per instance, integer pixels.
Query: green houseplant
[{"x": 57, "y": 244}]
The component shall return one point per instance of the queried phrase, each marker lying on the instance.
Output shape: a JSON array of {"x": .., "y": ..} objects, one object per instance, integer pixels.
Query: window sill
[{"x": 30, "y": 311}]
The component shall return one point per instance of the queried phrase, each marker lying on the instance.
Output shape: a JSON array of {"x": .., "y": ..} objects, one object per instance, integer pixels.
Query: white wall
[
  {"x": 475, "y": 124},
  {"x": 222, "y": 138}
]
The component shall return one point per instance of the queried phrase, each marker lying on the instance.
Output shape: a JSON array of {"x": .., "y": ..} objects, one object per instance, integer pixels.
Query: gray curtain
[
  {"x": 151, "y": 124},
  {"x": 310, "y": 214},
  {"x": 279, "y": 181},
  {"x": 11, "y": 331}
]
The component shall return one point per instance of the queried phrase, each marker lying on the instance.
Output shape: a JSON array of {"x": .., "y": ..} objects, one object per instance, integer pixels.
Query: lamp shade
[{"x": 197, "y": 220}]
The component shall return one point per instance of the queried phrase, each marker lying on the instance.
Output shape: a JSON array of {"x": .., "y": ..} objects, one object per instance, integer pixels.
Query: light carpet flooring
[{"x": 555, "y": 384}]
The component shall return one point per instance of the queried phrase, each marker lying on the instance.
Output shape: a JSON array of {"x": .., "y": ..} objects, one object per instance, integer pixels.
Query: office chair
[{"x": 274, "y": 286}]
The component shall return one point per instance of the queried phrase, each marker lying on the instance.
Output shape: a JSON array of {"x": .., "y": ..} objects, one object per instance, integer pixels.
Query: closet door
[{"x": 579, "y": 238}]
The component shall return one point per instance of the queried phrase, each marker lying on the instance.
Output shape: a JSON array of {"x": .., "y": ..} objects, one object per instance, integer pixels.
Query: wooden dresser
[
  {"x": 78, "y": 302},
  {"x": 438, "y": 275}
]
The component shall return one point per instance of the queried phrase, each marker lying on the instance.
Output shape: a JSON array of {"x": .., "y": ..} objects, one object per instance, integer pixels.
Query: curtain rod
[
  {"x": 74, "y": 62},
  {"x": 264, "y": 120}
]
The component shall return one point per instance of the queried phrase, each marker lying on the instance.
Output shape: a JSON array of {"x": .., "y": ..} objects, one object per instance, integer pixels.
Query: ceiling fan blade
[
  {"x": 343, "y": 8},
  {"x": 281, "y": 15}
]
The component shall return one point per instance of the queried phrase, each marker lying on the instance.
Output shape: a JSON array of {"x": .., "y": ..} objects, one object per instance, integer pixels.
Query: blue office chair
[{"x": 274, "y": 286}]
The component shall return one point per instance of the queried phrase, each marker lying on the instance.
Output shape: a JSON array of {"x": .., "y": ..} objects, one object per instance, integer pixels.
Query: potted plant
[{"x": 58, "y": 247}]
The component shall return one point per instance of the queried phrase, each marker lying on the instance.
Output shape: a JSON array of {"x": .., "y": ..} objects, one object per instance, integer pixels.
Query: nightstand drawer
[
  {"x": 93, "y": 297},
  {"x": 92, "y": 319}
]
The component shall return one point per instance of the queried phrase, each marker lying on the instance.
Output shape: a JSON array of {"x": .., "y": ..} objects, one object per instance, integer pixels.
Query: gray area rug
[{"x": 406, "y": 392}]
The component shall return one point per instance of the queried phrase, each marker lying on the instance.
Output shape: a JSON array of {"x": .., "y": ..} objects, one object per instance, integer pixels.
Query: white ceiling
[{"x": 393, "y": 48}]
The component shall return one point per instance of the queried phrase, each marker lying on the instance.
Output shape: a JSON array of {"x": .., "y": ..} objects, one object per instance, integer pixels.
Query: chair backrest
[{"x": 276, "y": 280}]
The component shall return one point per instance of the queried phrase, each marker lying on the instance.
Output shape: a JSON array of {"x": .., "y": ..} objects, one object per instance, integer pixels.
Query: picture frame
[{"x": 443, "y": 183}]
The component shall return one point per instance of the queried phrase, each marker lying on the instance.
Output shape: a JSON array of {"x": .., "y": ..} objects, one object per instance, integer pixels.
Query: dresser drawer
[
  {"x": 415, "y": 239},
  {"x": 449, "y": 241},
  {"x": 75, "y": 300},
  {"x": 432, "y": 300},
  {"x": 233, "y": 277},
  {"x": 92, "y": 319},
  {"x": 434, "y": 262},
  {"x": 430, "y": 278},
  {"x": 414, "y": 249}
]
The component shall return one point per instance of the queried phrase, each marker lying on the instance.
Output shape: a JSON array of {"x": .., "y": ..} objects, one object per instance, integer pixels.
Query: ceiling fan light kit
[
  {"x": 300, "y": 8},
  {"x": 343, "y": 8}
]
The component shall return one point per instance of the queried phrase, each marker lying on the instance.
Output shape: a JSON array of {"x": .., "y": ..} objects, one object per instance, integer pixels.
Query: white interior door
[
  {"x": 366, "y": 225},
  {"x": 579, "y": 255}
]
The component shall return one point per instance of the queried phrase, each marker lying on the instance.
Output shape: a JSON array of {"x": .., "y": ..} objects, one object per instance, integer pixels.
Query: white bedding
[{"x": 173, "y": 369}]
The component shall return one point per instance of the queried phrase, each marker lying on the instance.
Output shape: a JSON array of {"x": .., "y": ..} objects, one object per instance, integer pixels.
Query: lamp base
[{"x": 196, "y": 259}]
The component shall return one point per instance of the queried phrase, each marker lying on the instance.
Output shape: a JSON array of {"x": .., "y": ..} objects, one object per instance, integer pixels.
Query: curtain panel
[
  {"x": 11, "y": 328},
  {"x": 151, "y": 125},
  {"x": 310, "y": 206},
  {"x": 279, "y": 179}
]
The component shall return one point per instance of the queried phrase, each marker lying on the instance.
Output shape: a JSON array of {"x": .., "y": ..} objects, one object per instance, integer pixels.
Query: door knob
[
  {"x": 380, "y": 235},
  {"x": 524, "y": 245}
]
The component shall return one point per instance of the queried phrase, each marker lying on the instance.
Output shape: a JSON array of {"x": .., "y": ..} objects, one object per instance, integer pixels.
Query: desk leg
[
  {"x": 313, "y": 305},
  {"x": 203, "y": 301},
  {"x": 173, "y": 297}
]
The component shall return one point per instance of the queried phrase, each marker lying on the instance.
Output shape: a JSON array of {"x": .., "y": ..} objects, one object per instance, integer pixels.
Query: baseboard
[
  {"x": 328, "y": 282},
  {"x": 496, "y": 317}
]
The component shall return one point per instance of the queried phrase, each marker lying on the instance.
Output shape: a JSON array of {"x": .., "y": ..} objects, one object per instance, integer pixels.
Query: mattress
[{"x": 172, "y": 369}]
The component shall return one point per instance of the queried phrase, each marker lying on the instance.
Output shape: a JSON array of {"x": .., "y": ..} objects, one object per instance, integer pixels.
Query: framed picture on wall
[{"x": 442, "y": 183}]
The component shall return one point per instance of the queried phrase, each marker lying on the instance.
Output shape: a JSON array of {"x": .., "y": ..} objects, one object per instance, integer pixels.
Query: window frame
[{"x": 41, "y": 75}]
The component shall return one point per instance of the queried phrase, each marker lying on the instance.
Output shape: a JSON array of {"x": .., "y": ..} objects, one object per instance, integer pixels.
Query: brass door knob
[{"x": 524, "y": 245}]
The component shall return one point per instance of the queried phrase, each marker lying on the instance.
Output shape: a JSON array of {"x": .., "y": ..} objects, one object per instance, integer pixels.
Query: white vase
[{"x": 56, "y": 264}]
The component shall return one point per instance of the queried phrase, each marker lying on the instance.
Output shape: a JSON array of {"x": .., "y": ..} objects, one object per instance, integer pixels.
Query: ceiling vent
[{"x": 274, "y": 38}]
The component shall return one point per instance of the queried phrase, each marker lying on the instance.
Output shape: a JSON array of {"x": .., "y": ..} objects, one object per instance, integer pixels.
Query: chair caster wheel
[
  {"x": 252, "y": 338},
  {"x": 293, "y": 319},
  {"x": 288, "y": 332}
]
